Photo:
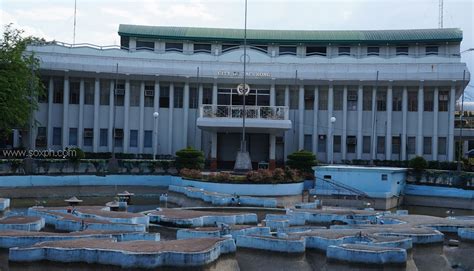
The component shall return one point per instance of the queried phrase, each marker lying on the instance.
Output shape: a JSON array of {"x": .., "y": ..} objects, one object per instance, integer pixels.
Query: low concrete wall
[
  {"x": 203, "y": 221},
  {"x": 271, "y": 244},
  {"x": 466, "y": 234},
  {"x": 4, "y": 204},
  {"x": 192, "y": 233},
  {"x": 367, "y": 255},
  {"x": 425, "y": 195},
  {"x": 37, "y": 225}
]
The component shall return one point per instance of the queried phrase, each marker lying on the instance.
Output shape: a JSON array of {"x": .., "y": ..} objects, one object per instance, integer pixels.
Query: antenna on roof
[
  {"x": 74, "y": 30},
  {"x": 440, "y": 15}
]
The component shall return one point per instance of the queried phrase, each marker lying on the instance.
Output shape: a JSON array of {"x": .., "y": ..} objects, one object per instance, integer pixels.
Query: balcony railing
[{"x": 252, "y": 112}]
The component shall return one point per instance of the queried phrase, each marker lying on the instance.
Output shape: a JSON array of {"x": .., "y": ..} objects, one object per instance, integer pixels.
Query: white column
[
  {"x": 434, "y": 139},
  {"x": 80, "y": 129},
  {"x": 360, "y": 138},
  {"x": 403, "y": 140},
  {"x": 388, "y": 136},
  {"x": 452, "y": 100},
  {"x": 156, "y": 108},
  {"x": 287, "y": 104},
  {"x": 315, "y": 120},
  {"x": 419, "y": 132},
  {"x": 112, "y": 123},
  {"x": 65, "y": 129},
  {"x": 272, "y": 93},
  {"x": 272, "y": 147},
  {"x": 344, "y": 124},
  {"x": 213, "y": 145},
  {"x": 287, "y": 96},
  {"x": 330, "y": 138},
  {"x": 214, "y": 93},
  {"x": 96, "y": 141},
  {"x": 373, "y": 136},
  {"x": 141, "y": 124},
  {"x": 185, "y": 114},
  {"x": 50, "y": 113},
  {"x": 126, "y": 117},
  {"x": 170, "y": 119},
  {"x": 198, "y": 130},
  {"x": 301, "y": 118}
]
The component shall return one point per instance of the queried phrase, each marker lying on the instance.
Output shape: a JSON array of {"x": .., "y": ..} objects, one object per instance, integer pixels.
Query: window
[
  {"x": 118, "y": 138},
  {"x": 57, "y": 139},
  {"x": 309, "y": 99},
  {"x": 173, "y": 47},
  {"x": 149, "y": 94},
  {"x": 327, "y": 177},
  {"x": 367, "y": 99},
  {"x": 104, "y": 92},
  {"x": 280, "y": 97},
  {"x": 104, "y": 136},
  {"x": 323, "y": 98},
  {"x": 411, "y": 148},
  {"x": 426, "y": 145},
  {"x": 316, "y": 50},
  {"x": 41, "y": 137},
  {"x": 288, "y": 50},
  {"x": 294, "y": 98},
  {"x": 402, "y": 50},
  {"x": 351, "y": 144},
  {"x": 43, "y": 97},
  {"x": 352, "y": 100},
  {"x": 308, "y": 143},
  {"x": 428, "y": 100},
  {"x": 380, "y": 144},
  {"x": 337, "y": 143},
  {"x": 381, "y": 100},
  {"x": 229, "y": 47},
  {"x": 207, "y": 96},
  {"x": 147, "y": 141},
  {"x": 133, "y": 138},
  {"x": 145, "y": 45},
  {"x": 442, "y": 145},
  {"x": 134, "y": 93},
  {"x": 193, "y": 97},
  {"x": 120, "y": 93},
  {"x": 431, "y": 50},
  {"x": 124, "y": 42},
  {"x": 396, "y": 144},
  {"x": 338, "y": 97},
  {"x": 178, "y": 97},
  {"x": 366, "y": 144},
  {"x": 373, "y": 51},
  {"x": 412, "y": 101},
  {"x": 321, "y": 143},
  {"x": 74, "y": 92},
  {"x": 202, "y": 48},
  {"x": 164, "y": 97},
  {"x": 58, "y": 85},
  {"x": 88, "y": 92},
  {"x": 88, "y": 136},
  {"x": 384, "y": 177},
  {"x": 73, "y": 136},
  {"x": 260, "y": 48},
  {"x": 397, "y": 100},
  {"x": 344, "y": 51},
  {"x": 443, "y": 98}
]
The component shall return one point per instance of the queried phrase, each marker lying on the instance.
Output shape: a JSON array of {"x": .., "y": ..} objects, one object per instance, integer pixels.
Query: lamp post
[
  {"x": 155, "y": 130},
  {"x": 333, "y": 120}
]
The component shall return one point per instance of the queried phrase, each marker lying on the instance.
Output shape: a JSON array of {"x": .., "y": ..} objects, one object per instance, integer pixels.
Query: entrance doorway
[{"x": 228, "y": 144}]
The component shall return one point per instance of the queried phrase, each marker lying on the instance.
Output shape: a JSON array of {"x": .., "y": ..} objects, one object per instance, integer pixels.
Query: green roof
[{"x": 291, "y": 36}]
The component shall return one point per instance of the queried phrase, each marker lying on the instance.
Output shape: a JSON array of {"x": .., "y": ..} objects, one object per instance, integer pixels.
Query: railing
[{"x": 252, "y": 112}]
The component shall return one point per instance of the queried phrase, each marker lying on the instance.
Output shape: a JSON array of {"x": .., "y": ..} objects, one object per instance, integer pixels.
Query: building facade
[{"x": 343, "y": 95}]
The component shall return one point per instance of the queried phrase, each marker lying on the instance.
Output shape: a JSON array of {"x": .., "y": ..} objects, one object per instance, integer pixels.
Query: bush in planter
[
  {"x": 76, "y": 155},
  {"x": 191, "y": 173},
  {"x": 292, "y": 175},
  {"x": 189, "y": 158},
  {"x": 418, "y": 164},
  {"x": 303, "y": 161},
  {"x": 219, "y": 177},
  {"x": 278, "y": 175}
]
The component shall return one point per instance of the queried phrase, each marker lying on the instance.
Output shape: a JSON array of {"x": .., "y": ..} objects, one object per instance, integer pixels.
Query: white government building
[{"x": 313, "y": 90}]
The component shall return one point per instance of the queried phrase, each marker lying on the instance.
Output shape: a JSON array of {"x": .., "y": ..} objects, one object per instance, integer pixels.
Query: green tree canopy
[{"x": 19, "y": 80}]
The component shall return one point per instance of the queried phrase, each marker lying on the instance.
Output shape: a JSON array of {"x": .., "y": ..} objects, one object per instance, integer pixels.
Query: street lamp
[
  {"x": 333, "y": 120},
  {"x": 155, "y": 116}
]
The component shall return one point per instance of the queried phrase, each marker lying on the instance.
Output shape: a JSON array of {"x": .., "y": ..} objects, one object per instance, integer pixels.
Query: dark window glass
[
  {"x": 432, "y": 50},
  {"x": 88, "y": 136},
  {"x": 202, "y": 48},
  {"x": 316, "y": 50},
  {"x": 426, "y": 145},
  {"x": 41, "y": 140},
  {"x": 104, "y": 136},
  {"x": 133, "y": 138},
  {"x": 124, "y": 42},
  {"x": 145, "y": 45},
  {"x": 178, "y": 97},
  {"x": 366, "y": 144},
  {"x": 147, "y": 142},
  {"x": 207, "y": 96},
  {"x": 73, "y": 136},
  {"x": 229, "y": 47},
  {"x": 373, "y": 51},
  {"x": 58, "y": 90},
  {"x": 380, "y": 144},
  {"x": 322, "y": 143},
  {"x": 344, "y": 51},
  {"x": 164, "y": 97},
  {"x": 57, "y": 137},
  {"x": 402, "y": 50},
  {"x": 337, "y": 143},
  {"x": 173, "y": 47},
  {"x": 287, "y": 50},
  {"x": 43, "y": 97},
  {"x": 104, "y": 92}
]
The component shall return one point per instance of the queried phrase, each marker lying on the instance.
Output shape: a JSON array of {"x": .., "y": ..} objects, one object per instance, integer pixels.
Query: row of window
[
  {"x": 283, "y": 49},
  {"x": 88, "y": 136},
  {"x": 351, "y": 142}
]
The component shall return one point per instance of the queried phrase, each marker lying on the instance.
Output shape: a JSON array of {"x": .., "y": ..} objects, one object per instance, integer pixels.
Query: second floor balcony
[{"x": 229, "y": 118}]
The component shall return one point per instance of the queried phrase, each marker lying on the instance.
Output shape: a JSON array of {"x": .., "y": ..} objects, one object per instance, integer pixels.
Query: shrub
[
  {"x": 418, "y": 163},
  {"x": 191, "y": 173},
  {"x": 76, "y": 154},
  {"x": 302, "y": 160},
  {"x": 292, "y": 175},
  {"x": 189, "y": 158},
  {"x": 219, "y": 177},
  {"x": 278, "y": 175}
]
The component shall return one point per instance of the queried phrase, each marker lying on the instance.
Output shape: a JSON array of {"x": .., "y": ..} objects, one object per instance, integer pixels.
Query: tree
[
  {"x": 20, "y": 83},
  {"x": 304, "y": 161},
  {"x": 189, "y": 158}
]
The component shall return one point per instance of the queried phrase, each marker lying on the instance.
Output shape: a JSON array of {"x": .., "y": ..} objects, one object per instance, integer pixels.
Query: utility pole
[{"x": 440, "y": 14}]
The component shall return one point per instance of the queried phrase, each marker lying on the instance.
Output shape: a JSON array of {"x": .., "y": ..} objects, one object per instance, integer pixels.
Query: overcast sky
[{"x": 98, "y": 20}]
